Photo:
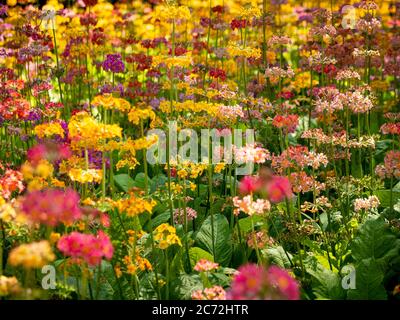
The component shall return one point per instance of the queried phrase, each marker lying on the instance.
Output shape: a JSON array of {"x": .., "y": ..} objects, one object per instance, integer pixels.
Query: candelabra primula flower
[
  {"x": 213, "y": 293},
  {"x": 47, "y": 130},
  {"x": 11, "y": 181},
  {"x": 85, "y": 175},
  {"x": 250, "y": 206},
  {"x": 9, "y": 286},
  {"x": 87, "y": 247},
  {"x": 165, "y": 236},
  {"x": 32, "y": 255},
  {"x": 109, "y": 102},
  {"x": 134, "y": 205},
  {"x": 254, "y": 282},
  {"x": 86, "y": 132},
  {"x": 204, "y": 265},
  {"x": 52, "y": 207}
]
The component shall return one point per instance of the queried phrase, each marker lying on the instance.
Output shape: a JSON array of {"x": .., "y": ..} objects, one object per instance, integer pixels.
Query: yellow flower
[
  {"x": 118, "y": 271},
  {"x": 134, "y": 205},
  {"x": 86, "y": 132},
  {"x": 46, "y": 130},
  {"x": 183, "y": 61},
  {"x": 165, "y": 236},
  {"x": 247, "y": 52},
  {"x": 12, "y": 3},
  {"x": 109, "y": 102},
  {"x": 86, "y": 176},
  {"x": 7, "y": 212},
  {"x": 31, "y": 256},
  {"x": 9, "y": 286},
  {"x": 219, "y": 167},
  {"x": 250, "y": 12},
  {"x": 42, "y": 170},
  {"x": 171, "y": 12},
  {"x": 137, "y": 114},
  {"x": 54, "y": 236}
]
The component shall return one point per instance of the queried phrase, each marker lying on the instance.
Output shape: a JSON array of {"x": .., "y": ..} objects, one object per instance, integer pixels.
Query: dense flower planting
[{"x": 206, "y": 150}]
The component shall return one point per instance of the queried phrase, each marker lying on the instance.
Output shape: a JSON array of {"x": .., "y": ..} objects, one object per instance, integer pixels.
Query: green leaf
[
  {"x": 278, "y": 256},
  {"x": 124, "y": 181},
  {"x": 160, "y": 219},
  {"x": 326, "y": 284},
  {"x": 184, "y": 285},
  {"x": 384, "y": 197},
  {"x": 140, "y": 181},
  {"x": 375, "y": 240},
  {"x": 109, "y": 286},
  {"x": 222, "y": 239},
  {"x": 196, "y": 253},
  {"x": 245, "y": 223},
  {"x": 369, "y": 277}
]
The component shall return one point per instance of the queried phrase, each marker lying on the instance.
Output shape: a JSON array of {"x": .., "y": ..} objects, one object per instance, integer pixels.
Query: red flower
[{"x": 279, "y": 189}]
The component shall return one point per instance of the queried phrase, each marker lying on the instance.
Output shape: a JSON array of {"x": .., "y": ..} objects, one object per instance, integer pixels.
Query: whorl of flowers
[
  {"x": 391, "y": 166},
  {"x": 32, "y": 255},
  {"x": 213, "y": 293},
  {"x": 179, "y": 215},
  {"x": 87, "y": 247},
  {"x": 52, "y": 207},
  {"x": 203, "y": 265},
  {"x": 366, "y": 204},
  {"x": 253, "y": 282}
]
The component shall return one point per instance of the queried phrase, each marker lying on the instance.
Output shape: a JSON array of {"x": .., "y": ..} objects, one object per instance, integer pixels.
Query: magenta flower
[
  {"x": 52, "y": 207},
  {"x": 249, "y": 184},
  {"x": 286, "y": 285},
  {"x": 254, "y": 282},
  {"x": 88, "y": 247},
  {"x": 279, "y": 189}
]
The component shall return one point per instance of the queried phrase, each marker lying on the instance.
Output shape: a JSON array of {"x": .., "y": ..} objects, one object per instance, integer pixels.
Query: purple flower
[{"x": 114, "y": 63}]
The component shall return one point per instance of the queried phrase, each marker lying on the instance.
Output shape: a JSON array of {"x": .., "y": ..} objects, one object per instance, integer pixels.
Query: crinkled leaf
[{"x": 222, "y": 239}]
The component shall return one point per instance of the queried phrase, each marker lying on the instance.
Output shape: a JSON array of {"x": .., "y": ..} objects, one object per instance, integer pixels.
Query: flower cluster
[
  {"x": 87, "y": 247},
  {"x": 254, "y": 283}
]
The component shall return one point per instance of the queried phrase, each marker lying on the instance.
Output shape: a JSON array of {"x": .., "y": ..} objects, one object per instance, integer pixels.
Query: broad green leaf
[
  {"x": 222, "y": 239},
  {"x": 183, "y": 286},
  {"x": 124, "y": 181},
  {"x": 160, "y": 219},
  {"x": 369, "y": 277},
  {"x": 245, "y": 223},
  {"x": 196, "y": 253},
  {"x": 384, "y": 197},
  {"x": 278, "y": 256},
  {"x": 326, "y": 284},
  {"x": 374, "y": 240},
  {"x": 140, "y": 181}
]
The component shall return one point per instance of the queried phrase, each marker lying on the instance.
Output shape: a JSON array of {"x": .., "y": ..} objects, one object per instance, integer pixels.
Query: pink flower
[
  {"x": 249, "y": 206},
  {"x": 50, "y": 151},
  {"x": 10, "y": 182},
  {"x": 88, "y": 247},
  {"x": 52, "y": 206},
  {"x": 204, "y": 265},
  {"x": 248, "y": 283},
  {"x": 279, "y": 189},
  {"x": 288, "y": 123},
  {"x": 213, "y": 293},
  {"x": 249, "y": 184},
  {"x": 254, "y": 282},
  {"x": 179, "y": 215},
  {"x": 286, "y": 285}
]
